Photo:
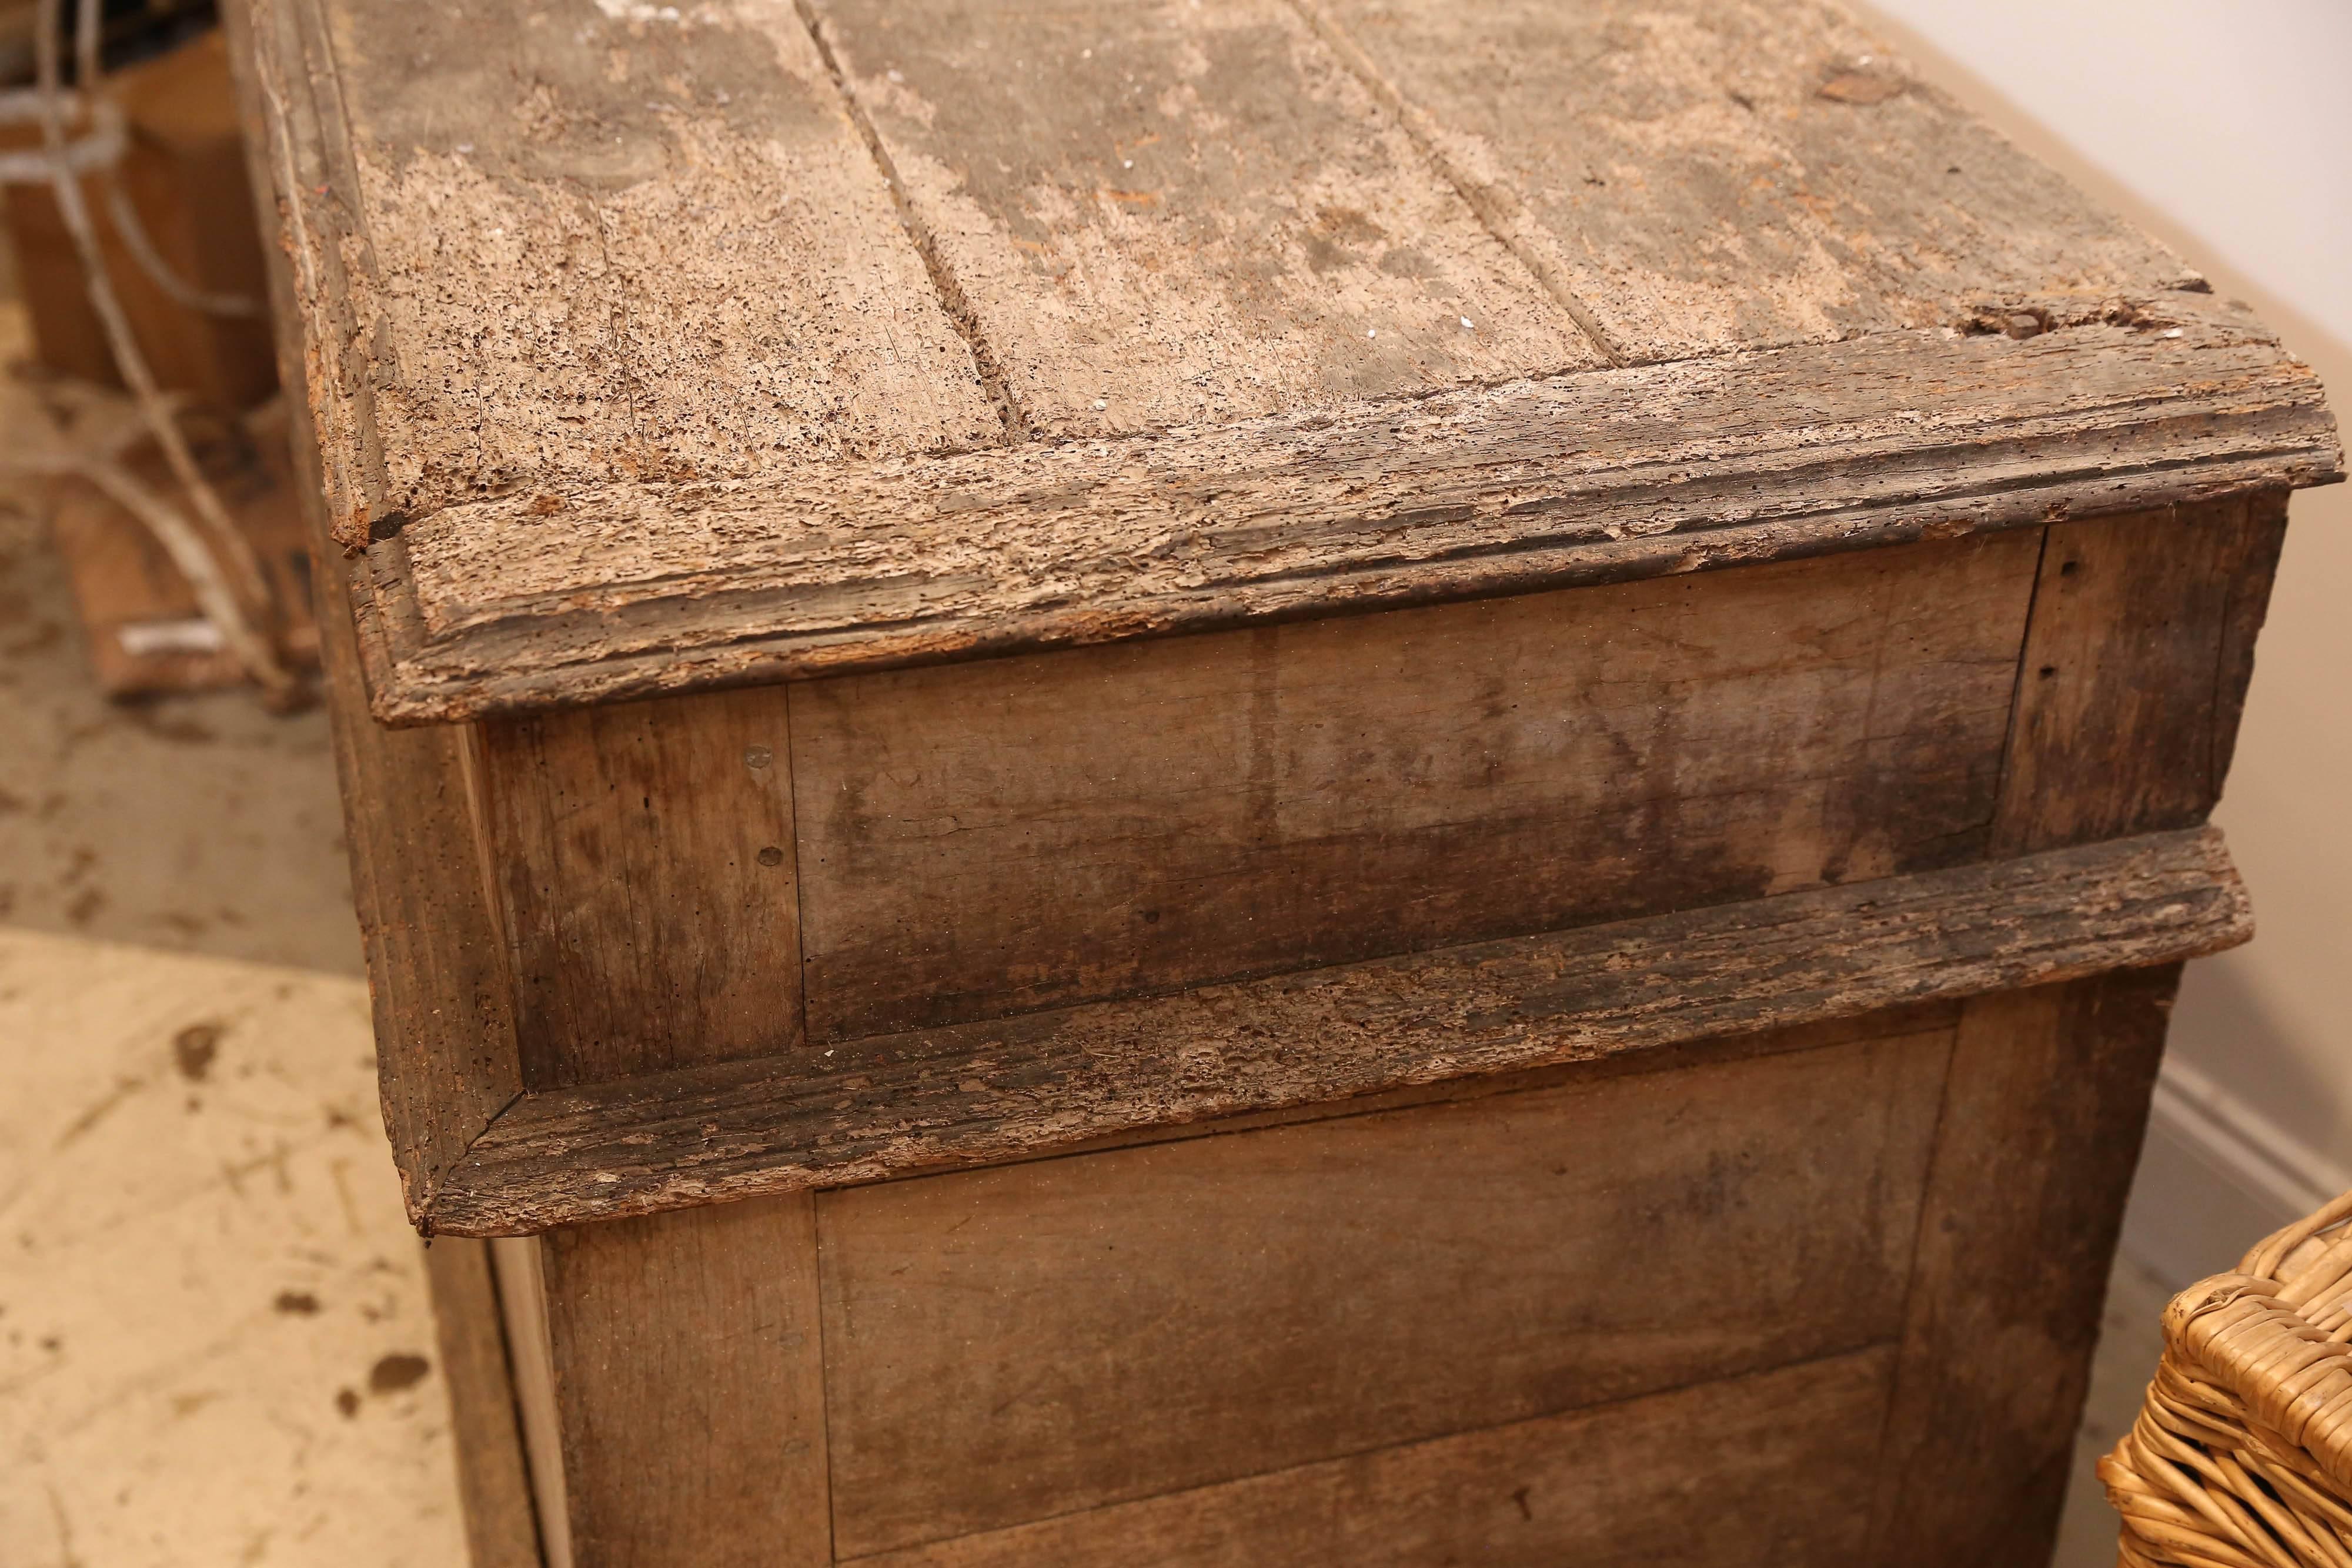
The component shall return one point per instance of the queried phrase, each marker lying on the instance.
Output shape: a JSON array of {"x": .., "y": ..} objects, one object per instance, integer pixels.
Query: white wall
[{"x": 2226, "y": 129}]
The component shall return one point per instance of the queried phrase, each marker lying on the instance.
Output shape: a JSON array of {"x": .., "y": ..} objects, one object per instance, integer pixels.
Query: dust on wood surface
[
  {"x": 591, "y": 246},
  {"x": 1183, "y": 213},
  {"x": 1641, "y": 472},
  {"x": 655, "y": 378},
  {"x": 1704, "y": 175}
]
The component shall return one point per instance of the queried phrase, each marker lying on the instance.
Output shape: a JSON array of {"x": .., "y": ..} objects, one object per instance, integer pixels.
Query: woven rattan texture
[{"x": 2242, "y": 1456}]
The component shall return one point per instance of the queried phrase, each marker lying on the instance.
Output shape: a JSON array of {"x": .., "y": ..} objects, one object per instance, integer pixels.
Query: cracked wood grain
[
  {"x": 643, "y": 384},
  {"x": 1648, "y": 471},
  {"x": 976, "y": 1093},
  {"x": 1699, "y": 176},
  {"x": 1182, "y": 213},
  {"x": 592, "y": 243}
]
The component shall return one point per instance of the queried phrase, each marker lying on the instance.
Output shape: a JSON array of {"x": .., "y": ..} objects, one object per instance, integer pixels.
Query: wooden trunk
[{"x": 1264, "y": 783}]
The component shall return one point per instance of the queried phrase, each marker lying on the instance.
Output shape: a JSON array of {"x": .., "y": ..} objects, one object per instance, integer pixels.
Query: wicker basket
[{"x": 2242, "y": 1455}]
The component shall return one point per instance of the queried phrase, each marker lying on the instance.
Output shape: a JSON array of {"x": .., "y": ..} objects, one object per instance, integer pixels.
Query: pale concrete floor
[
  {"x": 203, "y": 825},
  {"x": 217, "y": 1344}
]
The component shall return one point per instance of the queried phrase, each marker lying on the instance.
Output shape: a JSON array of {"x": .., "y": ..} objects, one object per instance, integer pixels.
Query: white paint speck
[
  {"x": 2174, "y": 332},
  {"x": 894, "y": 74},
  {"x": 464, "y": 147},
  {"x": 1465, "y": 323},
  {"x": 1371, "y": 331},
  {"x": 1127, "y": 162},
  {"x": 1101, "y": 404}
]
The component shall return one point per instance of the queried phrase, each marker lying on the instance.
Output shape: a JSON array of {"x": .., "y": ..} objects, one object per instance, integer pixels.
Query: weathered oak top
[{"x": 662, "y": 346}]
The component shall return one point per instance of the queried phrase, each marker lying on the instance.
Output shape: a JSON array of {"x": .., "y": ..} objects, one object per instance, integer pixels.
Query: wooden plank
[
  {"x": 2040, "y": 1131},
  {"x": 140, "y": 619},
  {"x": 989, "y": 839},
  {"x": 983, "y": 1093},
  {"x": 644, "y": 854},
  {"x": 1169, "y": 215},
  {"x": 690, "y": 1388},
  {"x": 1656, "y": 470},
  {"x": 517, "y": 1263},
  {"x": 1293, "y": 1295},
  {"x": 444, "y": 1019},
  {"x": 2147, "y": 640},
  {"x": 669, "y": 256},
  {"x": 501, "y": 1525},
  {"x": 1701, "y": 176},
  {"x": 2135, "y": 671},
  {"x": 1602, "y": 1488}
]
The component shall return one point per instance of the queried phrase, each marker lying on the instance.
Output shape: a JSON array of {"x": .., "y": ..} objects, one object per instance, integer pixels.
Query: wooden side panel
[
  {"x": 989, "y": 839},
  {"x": 485, "y": 1417},
  {"x": 977, "y": 1093},
  {"x": 1752, "y": 1473},
  {"x": 1008, "y": 1344},
  {"x": 645, "y": 853},
  {"x": 1166, "y": 215},
  {"x": 1704, "y": 175},
  {"x": 689, "y": 1386},
  {"x": 2041, "y": 1126},
  {"x": 2135, "y": 671},
  {"x": 2136, "y": 668},
  {"x": 436, "y": 963}
]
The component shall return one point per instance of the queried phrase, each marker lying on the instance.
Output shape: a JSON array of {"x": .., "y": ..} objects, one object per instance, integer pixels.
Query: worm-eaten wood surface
[
  {"x": 743, "y": 341},
  {"x": 984, "y": 1093}
]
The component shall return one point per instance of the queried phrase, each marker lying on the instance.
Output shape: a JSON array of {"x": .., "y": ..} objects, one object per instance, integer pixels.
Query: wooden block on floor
[{"x": 139, "y": 617}]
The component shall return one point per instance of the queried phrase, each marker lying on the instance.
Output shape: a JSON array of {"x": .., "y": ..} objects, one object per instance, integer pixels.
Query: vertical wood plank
[
  {"x": 644, "y": 854},
  {"x": 689, "y": 1386},
  {"x": 2137, "y": 659},
  {"x": 501, "y": 1524},
  {"x": 522, "y": 1303},
  {"x": 2043, "y": 1117},
  {"x": 2135, "y": 674}
]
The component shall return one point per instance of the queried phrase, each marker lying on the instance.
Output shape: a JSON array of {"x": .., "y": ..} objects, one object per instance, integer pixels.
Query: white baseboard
[{"x": 2216, "y": 1178}]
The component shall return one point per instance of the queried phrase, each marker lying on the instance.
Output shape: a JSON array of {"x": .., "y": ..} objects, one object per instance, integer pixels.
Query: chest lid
[{"x": 654, "y": 347}]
